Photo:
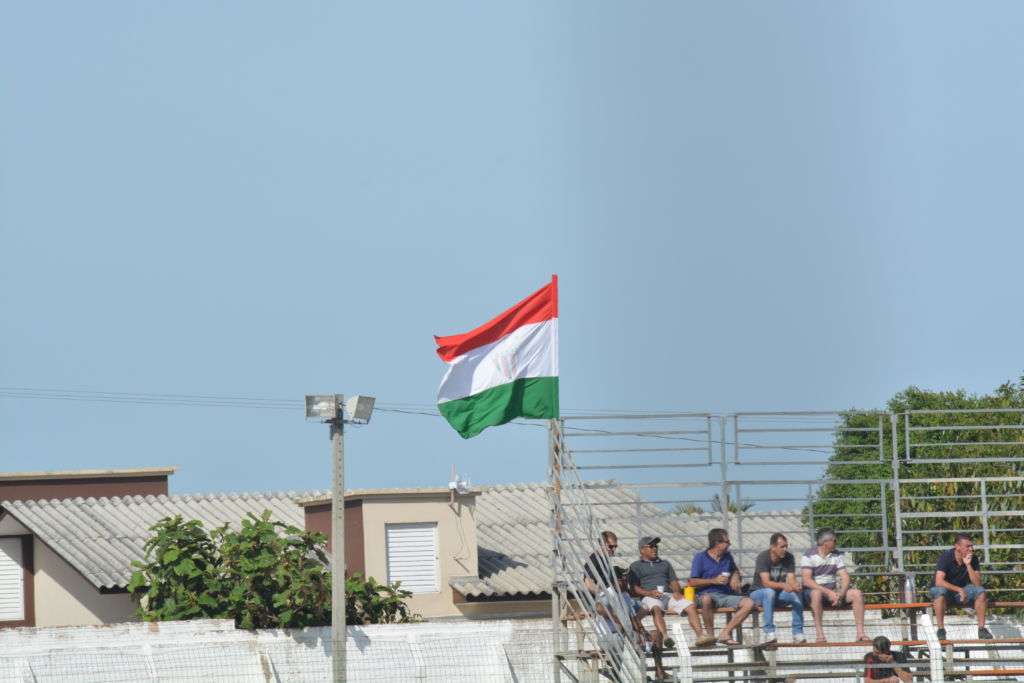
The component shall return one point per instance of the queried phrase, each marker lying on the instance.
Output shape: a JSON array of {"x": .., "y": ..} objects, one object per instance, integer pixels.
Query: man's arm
[
  {"x": 973, "y": 574},
  {"x": 844, "y": 581},
  {"x": 810, "y": 583},
  {"x": 791, "y": 584},
  {"x": 768, "y": 583},
  {"x": 940, "y": 581}
]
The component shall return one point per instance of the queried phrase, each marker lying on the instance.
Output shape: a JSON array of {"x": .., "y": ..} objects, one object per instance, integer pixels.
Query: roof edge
[
  {"x": 355, "y": 494},
  {"x": 89, "y": 474}
]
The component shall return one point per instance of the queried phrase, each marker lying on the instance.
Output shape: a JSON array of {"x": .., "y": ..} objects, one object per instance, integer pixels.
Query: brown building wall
[
  {"x": 318, "y": 518},
  {"x": 96, "y": 487}
]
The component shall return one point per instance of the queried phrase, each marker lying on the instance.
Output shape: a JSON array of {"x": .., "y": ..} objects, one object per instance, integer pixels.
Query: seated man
[
  {"x": 826, "y": 579},
  {"x": 717, "y": 579},
  {"x": 654, "y": 581},
  {"x": 881, "y": 653},
  {"x": 598, "y": 579},
  {"x": 775, "y": 584},
  {"x": 958, "y": 577}
]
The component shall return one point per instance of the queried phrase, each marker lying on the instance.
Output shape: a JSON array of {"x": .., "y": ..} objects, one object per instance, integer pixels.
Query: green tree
[
  {"x": 267, "y": 574},
  {"x": 854, "y": 509}
]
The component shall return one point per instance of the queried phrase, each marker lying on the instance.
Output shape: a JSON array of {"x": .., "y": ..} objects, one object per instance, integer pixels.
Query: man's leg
[
  {"x": 765, "y": 597},
  {"x": 707, "y": 609},
  {"x": 691, "y": 616},
  {"x": 980, "y": 603},
  {"x": 793, "y": 601},
  {"x": 817, "y": 602},
  {"x": 746, "y": 604},
  {"x": 659, "y": 623},
  {"x": 855, "y": 597},
  {"x": 939, "y": 604}
]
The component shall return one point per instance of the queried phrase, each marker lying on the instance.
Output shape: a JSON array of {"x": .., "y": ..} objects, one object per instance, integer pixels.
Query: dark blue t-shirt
[
  {"x": 706, "y": 567},
  {"x": 956, "y": 574}
]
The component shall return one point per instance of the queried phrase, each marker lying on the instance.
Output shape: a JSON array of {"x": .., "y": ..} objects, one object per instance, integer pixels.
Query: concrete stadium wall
[{"x": 505, "y": 651}]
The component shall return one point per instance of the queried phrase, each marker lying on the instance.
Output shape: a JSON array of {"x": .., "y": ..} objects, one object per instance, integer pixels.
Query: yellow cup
[{"x": 690, "y": 593}]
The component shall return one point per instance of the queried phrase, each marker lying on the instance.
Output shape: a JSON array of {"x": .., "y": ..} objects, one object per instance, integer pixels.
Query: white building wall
[{"x": 64, "y": 598}]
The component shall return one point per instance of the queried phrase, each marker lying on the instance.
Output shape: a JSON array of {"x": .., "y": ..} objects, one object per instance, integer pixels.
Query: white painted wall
[{"x": 64, "y": 598}]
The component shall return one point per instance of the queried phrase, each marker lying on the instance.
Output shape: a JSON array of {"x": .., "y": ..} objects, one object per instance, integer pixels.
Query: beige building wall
[
  {"x": 456, "y": 542},
  {"x": 64, "y": 598}
]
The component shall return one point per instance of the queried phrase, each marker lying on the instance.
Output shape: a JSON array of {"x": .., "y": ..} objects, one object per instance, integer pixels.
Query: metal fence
[{"x": 896, "y": 487}]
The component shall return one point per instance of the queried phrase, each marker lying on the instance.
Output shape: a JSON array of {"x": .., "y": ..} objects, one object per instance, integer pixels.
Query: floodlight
[
  {"x": 359, "y": 408},
  {"x": 323, "y": 406}
]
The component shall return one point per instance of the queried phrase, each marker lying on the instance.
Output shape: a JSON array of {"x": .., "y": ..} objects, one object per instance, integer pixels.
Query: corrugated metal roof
[
  {"x": 514, "y": 537},
  {"x": 101, "y": 536}
]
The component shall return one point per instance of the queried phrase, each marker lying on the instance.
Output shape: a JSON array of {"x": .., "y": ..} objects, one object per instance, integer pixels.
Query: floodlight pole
[{"x": 338, "y": 634}]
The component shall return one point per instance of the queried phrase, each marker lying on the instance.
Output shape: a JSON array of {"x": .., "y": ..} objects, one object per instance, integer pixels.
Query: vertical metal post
[
  {"x": 338, "y": 630},
  {"x": 555, "y": 476},
  {"x": 984, "y": 519},
  {"x": 810, "y": 514},
  {"x": 896, "y": 503},
  {"x": 906, "y": 434},
  {"x": 723, "y": 471},
  {"x": 885, "y": 525}
]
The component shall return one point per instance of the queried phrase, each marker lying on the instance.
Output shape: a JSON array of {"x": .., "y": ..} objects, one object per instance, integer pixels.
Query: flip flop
[
  {"x": 821, "y": 640},
  {"x": 704, "y": 641},
  {"x": 728, "y": 642}
]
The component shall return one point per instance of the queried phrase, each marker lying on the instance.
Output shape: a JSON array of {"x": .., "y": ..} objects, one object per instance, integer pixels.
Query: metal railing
[{"x": 872, "y": 476}]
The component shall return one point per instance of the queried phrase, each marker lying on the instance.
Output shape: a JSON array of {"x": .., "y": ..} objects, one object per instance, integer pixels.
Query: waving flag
[{"x": 504, "y": 369}]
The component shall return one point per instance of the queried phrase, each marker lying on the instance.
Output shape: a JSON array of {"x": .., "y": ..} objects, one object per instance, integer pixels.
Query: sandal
[
  {"x": 704, "y": 641},
  {"x": 728, "y": 642}
]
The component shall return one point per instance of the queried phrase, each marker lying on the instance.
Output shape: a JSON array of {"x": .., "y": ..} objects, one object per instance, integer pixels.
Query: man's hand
[
  {"x": 721, "y": 579},
  {"x": 968, "y": 557},
  {"x": 963, "y": 595},
  {"x": 791, "y": 586},
  {"x": 884, "y": 657},
  {"x": 831, "y": 595},
  {"x": 734, "y": 584}
]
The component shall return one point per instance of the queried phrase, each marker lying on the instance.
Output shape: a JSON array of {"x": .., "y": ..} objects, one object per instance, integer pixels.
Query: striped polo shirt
[{"x": 823, "y": 569}]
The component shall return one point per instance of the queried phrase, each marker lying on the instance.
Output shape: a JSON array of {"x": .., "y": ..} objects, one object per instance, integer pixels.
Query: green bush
[{"x": 265, "y": 575}]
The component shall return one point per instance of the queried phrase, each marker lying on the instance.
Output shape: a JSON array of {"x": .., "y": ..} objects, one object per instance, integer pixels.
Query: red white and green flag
[{"x": 504, "y": 369}]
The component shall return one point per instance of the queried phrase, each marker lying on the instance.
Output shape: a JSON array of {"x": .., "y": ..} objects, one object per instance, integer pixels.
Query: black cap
[{"x": 648, "y": 540}]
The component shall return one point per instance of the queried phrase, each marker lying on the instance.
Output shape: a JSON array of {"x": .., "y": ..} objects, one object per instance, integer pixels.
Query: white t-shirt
[{"x": 823, "y": 569}]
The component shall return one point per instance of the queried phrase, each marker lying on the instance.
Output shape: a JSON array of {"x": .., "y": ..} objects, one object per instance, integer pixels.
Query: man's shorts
[
  {"x": 666, "y": 602},
  {"x": 970, "y": 589},
  {"x": 720, "y": 599},
  {"x": 807, "y": 594}
]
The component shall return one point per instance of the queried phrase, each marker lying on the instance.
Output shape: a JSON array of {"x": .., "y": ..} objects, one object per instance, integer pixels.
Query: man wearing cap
[
  {"x": 717, "y": 579},
  {"x": 654, "y": 581}
]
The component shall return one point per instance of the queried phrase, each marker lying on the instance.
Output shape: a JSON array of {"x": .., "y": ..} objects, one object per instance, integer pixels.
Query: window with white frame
[
  {"x": 12, "y": 579},
  {"x": 412, "y": 556}
]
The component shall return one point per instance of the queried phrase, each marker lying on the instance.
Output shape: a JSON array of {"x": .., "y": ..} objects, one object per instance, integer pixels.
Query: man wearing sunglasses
[
  {"x": 717, "y": 579},
  {"x": 655, "y": 581}
]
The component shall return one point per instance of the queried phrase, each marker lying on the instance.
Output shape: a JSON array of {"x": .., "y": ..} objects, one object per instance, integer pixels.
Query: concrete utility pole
[
  {"x": 335, "y": 411},
  {"x": 338, "y": 624}
]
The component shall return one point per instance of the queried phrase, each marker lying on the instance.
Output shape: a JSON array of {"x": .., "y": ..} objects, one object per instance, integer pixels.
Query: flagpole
[
  {"x": 555, "y": 468},
  {"x": 554, "y": 473}
]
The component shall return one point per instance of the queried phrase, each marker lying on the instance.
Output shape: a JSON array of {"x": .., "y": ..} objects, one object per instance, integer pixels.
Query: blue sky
[{"x": 749, "y": 205}]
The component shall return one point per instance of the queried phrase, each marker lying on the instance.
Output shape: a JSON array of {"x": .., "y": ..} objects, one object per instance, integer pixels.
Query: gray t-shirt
[
  {"x": 776, "y": 572},
  {"x": 650, "y": 575}
]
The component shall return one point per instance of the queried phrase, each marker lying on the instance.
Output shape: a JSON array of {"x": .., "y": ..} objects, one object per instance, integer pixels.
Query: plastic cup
[
  {"x": 661, "y": 589},
  {"x": 690, "y": 593}
]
